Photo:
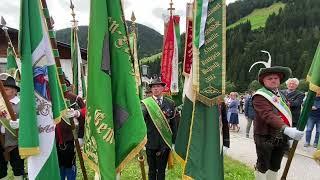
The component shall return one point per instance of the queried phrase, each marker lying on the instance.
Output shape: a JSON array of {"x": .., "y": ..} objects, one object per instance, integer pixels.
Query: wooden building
[{"x": 64, "y": 51}]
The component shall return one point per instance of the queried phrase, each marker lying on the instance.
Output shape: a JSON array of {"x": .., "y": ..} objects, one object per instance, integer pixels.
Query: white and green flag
[
  {"x": 198, "y": 141},
  {"x": 78, "y": 75},
  {"x": 41, "y": 95}
]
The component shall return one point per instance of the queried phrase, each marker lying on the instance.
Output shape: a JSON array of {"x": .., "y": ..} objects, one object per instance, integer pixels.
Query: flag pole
[
  {"x": 78, "y": 149},
  {"x": 75, "y": 29},
  {"x": 11, "y": 113},
  {"x": 8, "y": 104},
  {"x": 301, "y": 125},
  {"x": 140, "y": 156},
  {"x": 49, "y": 23},
  {"x": 5, "y": 29},
  {"x": 314, "y": 87}
]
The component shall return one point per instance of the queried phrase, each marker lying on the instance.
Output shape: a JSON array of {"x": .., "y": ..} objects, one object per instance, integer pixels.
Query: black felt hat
[
  {"x": 284, "y": 73},
  {"x": 157, "y": 81},
  {"x": 10, "y": 82}
]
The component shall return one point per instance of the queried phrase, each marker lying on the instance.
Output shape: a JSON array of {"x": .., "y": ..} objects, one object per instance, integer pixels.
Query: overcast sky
[{"x": 148, "y": 12}]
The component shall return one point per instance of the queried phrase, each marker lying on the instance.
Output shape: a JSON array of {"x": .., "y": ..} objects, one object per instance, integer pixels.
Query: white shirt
[
  {"x": 15, "y": 100},
  {"x": 156, "y": 98}
]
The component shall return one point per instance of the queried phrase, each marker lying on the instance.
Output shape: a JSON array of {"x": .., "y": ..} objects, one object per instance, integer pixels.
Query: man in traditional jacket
[
  {"x": 65, "y": 137},
  {"x": 272, "y": 124},
  {"x": 294, "y": 99},
  {"x": 10, "y": 152},
  {"x": 159, "y": 115}
]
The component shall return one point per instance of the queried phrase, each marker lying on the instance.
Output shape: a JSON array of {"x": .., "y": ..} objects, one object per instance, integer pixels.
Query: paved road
[{"x": 302, "y": 167}]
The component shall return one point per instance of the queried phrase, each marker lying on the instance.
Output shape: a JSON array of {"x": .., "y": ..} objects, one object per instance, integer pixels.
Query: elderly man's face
[
  {"x": 271, "y": 81},
  {"x": 157, "y": 89},
  {"x": 292, "y": 85}
]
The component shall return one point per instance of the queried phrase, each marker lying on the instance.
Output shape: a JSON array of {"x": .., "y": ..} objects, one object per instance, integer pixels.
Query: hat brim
[
  {"x": 284, "y": 71},
  {"x": 15, "y": 87},
  {"x": 159, "y": 83}
]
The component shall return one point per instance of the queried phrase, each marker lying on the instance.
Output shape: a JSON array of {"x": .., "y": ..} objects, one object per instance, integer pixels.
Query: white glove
[
  {"x": 76, "y": 122},
  {"x": 3, "y": 130},
  {"x": 72, "y": 113},
  {"x": 225, "y": 150},
  {"x": 290, "y": 142},
  {"x": 14, "y": 124},
  {"x": 80, "y": 141},
  {"x": 293, "y": 133},
  {"x": 77, "y": 113},
  {"x": 173, "y": 146}
]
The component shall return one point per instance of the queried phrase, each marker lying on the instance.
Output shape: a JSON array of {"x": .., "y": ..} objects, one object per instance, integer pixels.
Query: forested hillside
[
  {"x": 258, "y": 17},
  {"x": 242, "y": 8},
  {"x": 150, "y": 41},
  {"x": 291, "y": 37}
]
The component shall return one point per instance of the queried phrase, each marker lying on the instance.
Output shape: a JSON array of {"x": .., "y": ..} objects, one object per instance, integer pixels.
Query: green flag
[
  {"x": 11, "y": 62},
  {"x": 313, "y": 76},
  {"x": 198, "y": 142},
  {"x": 77, "y": 70},
  {"x": 41, "y": 95},
  {"x": 115, "y": 128}
]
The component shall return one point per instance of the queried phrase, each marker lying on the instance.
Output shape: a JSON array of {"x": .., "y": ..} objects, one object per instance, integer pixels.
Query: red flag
[
  {"x": 167, "y": 55},
  {"x": 188, "y": 42}
]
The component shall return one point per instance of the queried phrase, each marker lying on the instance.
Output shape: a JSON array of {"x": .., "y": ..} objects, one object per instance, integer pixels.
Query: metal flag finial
[
  {"x": 71, "y": 5},
  {"x": 266, "y": 64},
  {"x": 3, "y": 22},
  {"x": 52, "y": 21},
  {"x": 73, "y": 14},
  {"x": 171, "y": 8},
  {"x": 133, "y": 17}
]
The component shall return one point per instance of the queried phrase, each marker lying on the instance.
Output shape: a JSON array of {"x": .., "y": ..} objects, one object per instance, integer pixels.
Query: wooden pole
[
  {"x": 8, "y": 105},
  {"x": 5, "y": 29},
  {"x": 141, "y": 162},
  {"x": 301, "y": 125},
  {"x": 62, "y": 81},
  {"x": 140, "y": 156}
]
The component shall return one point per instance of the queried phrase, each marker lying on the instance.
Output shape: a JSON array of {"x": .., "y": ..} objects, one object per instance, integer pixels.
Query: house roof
[{"x": 64, "y": 48}]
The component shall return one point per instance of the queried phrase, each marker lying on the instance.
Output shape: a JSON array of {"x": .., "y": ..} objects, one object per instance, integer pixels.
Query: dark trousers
[
  {"x": 66, "y": 154},
  {"x": 157, "y": 162},
  {"x": 269, "y": 152},
  {"x": 16, "y": 163}
]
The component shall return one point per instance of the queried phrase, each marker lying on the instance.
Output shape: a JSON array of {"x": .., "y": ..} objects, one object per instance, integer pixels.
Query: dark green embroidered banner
[{"x": 210, "y": 52}]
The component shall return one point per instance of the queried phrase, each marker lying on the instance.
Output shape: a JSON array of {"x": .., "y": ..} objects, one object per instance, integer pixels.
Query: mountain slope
[
  {"x": 150, "y": 41},
  {"x": 291, "y": 37},
  {"x": 259, "y": 17}
]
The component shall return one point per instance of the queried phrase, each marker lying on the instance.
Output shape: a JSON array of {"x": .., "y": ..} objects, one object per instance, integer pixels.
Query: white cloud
[{"x": 148, "y": 12}]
